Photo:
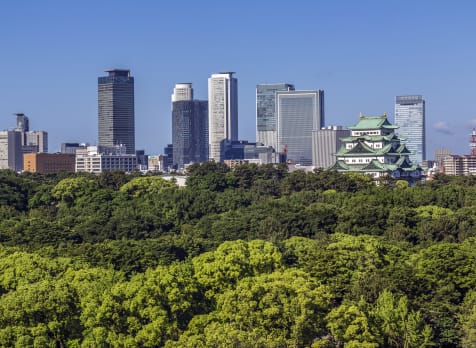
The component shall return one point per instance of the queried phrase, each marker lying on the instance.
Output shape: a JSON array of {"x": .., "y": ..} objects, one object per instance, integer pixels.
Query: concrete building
[
  {"x": 325, "y": 144},
  {"x": 410, "y": 118},
  {"x": 96, "y": 159},
  {"x": 251, "y": 152},
  {"x": 48, "y": 163},
  {"x": 31, "y": 141},
  {"x": 298, "y": 113},
  {"x": 157, "y": 163},
  {"x": 459, "y": 165},
  {"x": 72, "y": 147},
  {"x": 222, "y": 113},
  {"x": 266, "y": 124},
  {"x": 11, "y": 150},
  {"x": 116, "y": 125},
  {"x": 189, "y": 127}
]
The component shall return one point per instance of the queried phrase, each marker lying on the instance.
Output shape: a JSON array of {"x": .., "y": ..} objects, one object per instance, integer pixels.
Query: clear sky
[{"x": 361, "y": 53}]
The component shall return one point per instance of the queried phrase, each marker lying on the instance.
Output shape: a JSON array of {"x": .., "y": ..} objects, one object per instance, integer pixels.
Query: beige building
[{"x": 459, "y": 165}]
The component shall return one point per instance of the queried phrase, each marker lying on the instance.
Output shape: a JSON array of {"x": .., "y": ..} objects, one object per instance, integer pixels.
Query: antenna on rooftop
[{"x": 472, "y": 142}]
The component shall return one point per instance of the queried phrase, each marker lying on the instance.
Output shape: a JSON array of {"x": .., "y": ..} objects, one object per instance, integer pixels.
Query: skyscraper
[
  {"x": 116, "y": 110},
  {"x": 298, "y": 113},
  {"x": 31, "y": 141},
  {"x": 182, "y": 91},
  {"x": 266, "y": 112},
  {"x": 410, "y": 117},
  {"x": 23, "y": 123},
  {"x": 222, "y": 113},
  {"x": 189, "y": 127}
]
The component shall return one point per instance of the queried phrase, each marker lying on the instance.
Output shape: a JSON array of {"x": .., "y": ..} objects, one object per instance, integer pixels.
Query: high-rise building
[
  {"x": 222, "y": 113},
  {"x": 266, "y": 112},
  {"x": 35, "y": 141},
  {"x": 325, "y": 144},
  {"x": 11, "y": 150},
  {"x": 189, "y": 127},
  {"x": 23, "y": 123},
  {"x": 182, "y": 91},
  {"x": 116, "y": 110},
  {"x": 31, "y": 141},
  {"x": 410, "y": 117},
  {"x": 298, "y": 113}
]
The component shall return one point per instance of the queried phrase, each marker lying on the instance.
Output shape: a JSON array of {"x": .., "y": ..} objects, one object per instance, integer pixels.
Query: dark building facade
[
  {"x": 189, "y": 132},
  {"x": 116, "y": 110}
]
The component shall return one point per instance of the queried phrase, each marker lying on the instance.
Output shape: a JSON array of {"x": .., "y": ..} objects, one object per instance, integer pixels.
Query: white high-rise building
[
  {"x": 11, "y": 150},
  {"x": 222, "y": 113},
  {"x": 298, "y": 113},
  {"x": 182, "y": 91},
  {"x": 410, "y": 117}
]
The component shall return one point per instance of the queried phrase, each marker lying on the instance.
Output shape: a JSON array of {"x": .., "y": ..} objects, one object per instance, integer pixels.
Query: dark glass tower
[
  {"x": 116, "y": 109},
  {"x": 189, "y": 131}
]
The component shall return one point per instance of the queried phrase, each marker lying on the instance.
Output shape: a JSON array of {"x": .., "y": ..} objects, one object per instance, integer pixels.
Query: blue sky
[{"x": 361, "y": 53}]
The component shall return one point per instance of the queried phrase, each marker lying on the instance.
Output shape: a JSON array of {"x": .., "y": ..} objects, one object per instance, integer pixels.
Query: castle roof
[{"x": 377, "y": 122}]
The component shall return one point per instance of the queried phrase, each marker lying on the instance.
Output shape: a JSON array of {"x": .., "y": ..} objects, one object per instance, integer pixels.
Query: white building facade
[{"x": 222, "y": 113}]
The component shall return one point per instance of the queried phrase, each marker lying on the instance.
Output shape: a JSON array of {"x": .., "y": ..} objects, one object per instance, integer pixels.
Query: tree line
[{"x": 252, "y": 257}]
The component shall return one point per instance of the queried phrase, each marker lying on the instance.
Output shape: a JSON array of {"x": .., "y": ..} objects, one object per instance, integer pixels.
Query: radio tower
[{"x": 472, "y": 142}]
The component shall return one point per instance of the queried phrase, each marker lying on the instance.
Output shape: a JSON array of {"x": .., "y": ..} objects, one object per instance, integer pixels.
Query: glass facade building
[
  {"x": 116, "y": 110},
  {"x": 298, "y": 113},
  {"x": 410, "y": 117},
  {"x": 266, "y": 112},
  {"x": 189, "y": 132},
  {"x": 222, "y": 113}
]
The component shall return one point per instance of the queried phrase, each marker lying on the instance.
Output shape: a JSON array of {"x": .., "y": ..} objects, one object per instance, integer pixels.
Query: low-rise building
[
  {"x": 48, "y": 163},
  {"x": 96, "y": 159}
]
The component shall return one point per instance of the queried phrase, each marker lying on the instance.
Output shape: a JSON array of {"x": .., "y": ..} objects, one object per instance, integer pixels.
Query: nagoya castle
[{"x": 373, "y": 148}]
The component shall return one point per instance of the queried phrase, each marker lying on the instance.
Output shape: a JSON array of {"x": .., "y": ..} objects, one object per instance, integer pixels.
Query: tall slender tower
[
  {"x": 189, "y": 127},
  {"x": 266, "y": 112},
  {"x": 410, "y": 117},
  {"x": 116, "y": 109},
  {"x": 298, "y": 113},
  {"x": 222, "y": 113}
]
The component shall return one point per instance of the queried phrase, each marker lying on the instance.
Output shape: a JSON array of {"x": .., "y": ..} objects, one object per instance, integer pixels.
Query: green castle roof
[{"x": 372, "y": 123}]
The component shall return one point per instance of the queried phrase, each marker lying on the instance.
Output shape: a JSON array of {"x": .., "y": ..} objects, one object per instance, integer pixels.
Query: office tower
[
  {"x": 266, "y": 112},
  {"x": 11, "y": 150},
  {"x": 31, "y": 141},
  {"x": 116, "y": 110},
  {"x": 182, "y": 91},
  {"x": 440, "y": 155},
  {"x": 35, "y": 141},
  {"x": 189, "y": 127},
  {"x": 23, "y": 123},
  {"x": 169, "y": 154},
  {"x": 298, "y": 113},
  {"x": 325, "y": 144},
  {"x": 222, "y": 113},
  {"x": 410, "y": 117}
]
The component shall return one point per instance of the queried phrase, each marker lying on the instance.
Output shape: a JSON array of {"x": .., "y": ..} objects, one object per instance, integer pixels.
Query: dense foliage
[{"x": 254, "y": 257}]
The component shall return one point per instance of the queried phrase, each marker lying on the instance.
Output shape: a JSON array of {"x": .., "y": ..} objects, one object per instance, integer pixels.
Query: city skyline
[{"x": 362, "y": 54}]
